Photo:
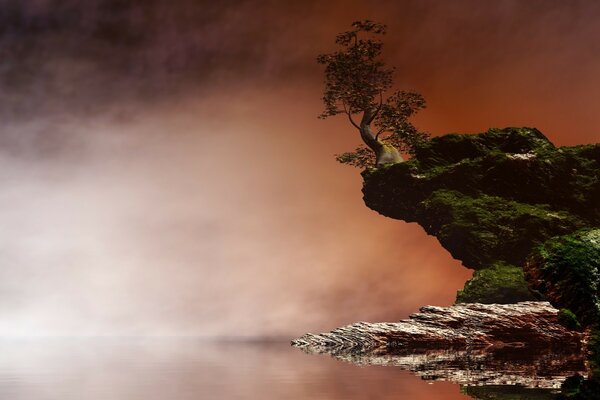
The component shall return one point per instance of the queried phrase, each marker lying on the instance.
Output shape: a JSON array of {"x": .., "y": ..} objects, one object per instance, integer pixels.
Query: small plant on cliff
[{"x": 356, "y": 84}]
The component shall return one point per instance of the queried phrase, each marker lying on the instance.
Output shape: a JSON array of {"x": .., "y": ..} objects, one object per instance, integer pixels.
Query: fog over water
[{"x": 163, "y": 172}]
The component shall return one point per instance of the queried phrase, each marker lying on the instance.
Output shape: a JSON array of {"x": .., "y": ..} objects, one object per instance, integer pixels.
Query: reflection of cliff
[
  {"x": 540, "y": 368},
  {"x": 490, "y": 199},
  {"x": 505, "y": 392}
]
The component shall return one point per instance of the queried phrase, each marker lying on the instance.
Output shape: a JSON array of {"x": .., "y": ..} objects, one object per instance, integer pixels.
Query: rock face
[
  {"x": 500, "y": 283},
  {"x": 462, "y": 326},
  {"x": 566, "y": 269},
  {"x": 491, "y": 198},
  {"x": 469, "y": 344}
]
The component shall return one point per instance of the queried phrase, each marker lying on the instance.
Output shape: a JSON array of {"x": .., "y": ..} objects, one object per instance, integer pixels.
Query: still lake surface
[{"x": 185, "y": 369}]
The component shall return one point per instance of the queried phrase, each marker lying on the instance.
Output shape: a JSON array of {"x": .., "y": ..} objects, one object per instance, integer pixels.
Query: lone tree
[{"x": 356, "y": 84}]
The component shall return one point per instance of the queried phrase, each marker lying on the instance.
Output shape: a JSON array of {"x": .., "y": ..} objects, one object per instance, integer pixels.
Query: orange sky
[{"x": 164, "y": 172}]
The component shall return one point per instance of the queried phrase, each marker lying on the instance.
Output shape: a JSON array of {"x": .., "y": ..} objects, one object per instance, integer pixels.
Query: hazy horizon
[{"x": 164, "y": 173}]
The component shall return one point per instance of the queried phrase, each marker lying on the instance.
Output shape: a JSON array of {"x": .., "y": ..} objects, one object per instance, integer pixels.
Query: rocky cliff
[
  {"x": 524, "y": 214},
  {"x": 491, "y": 199},
  {"x": 566, "y": 269}
]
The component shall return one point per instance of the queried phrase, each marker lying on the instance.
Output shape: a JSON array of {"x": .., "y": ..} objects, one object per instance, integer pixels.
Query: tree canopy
[{"x": 358, "y": 84}]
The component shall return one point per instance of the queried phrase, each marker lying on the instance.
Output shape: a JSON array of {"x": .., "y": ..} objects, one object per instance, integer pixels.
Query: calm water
[{"x": 181, "y": 369}]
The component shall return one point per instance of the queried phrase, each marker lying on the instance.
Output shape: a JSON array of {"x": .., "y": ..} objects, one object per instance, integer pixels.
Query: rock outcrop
[
  {"x": 469, "y": 344},
  {"x": 491, "y": 198},
  {"x": 524, "y": 215},
  {"x": 462, "y": 326}
]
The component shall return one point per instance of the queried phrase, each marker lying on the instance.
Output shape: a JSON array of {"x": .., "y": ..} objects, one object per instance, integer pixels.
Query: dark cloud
[{"x": 83, "y": 55}]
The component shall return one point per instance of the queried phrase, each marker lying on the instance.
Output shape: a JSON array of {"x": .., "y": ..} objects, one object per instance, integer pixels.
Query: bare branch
[
  {"x": 379, "y": 133},
  {"x": 378, "y": 107},
  {"x": 350, "y": 116}
]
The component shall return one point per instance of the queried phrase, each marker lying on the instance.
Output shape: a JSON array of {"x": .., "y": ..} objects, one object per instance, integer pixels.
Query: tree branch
[
  {"x": 379, "y": 133},
  {"x": 378, "y": 109},
  {"x": 350, "y": 116}
]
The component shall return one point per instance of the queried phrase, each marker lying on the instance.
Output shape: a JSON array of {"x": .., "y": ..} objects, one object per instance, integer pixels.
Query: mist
[
  {"x": 208, "y": 232},
  {"x": 163, "y": 171}
]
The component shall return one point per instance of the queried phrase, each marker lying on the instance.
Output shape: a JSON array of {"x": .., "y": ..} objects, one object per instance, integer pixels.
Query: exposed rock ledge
[
  {"x": 461, "y": 326},
  {"x": 469, "y": 344}
]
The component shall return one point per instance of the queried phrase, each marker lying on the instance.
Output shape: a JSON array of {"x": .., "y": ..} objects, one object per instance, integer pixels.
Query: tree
[{"x": 356, "y": 83}]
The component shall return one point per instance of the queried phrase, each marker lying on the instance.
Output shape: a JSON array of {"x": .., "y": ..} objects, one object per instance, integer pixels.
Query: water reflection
[
  {"x": 511, "y": 373},
  {"x": 181, "y": 369},
  {"x": 508, "y": 392},
  {"x": 540, "y": 368}
]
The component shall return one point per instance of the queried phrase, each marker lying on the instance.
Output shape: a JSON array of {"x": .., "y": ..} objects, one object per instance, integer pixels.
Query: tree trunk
[{"x": 384, "y": 153}]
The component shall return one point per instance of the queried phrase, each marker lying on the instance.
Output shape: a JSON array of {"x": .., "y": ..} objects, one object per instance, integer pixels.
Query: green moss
[
  {"x": 492, "y": 197},
  {"x": 483, "y": 230},
  {"x": 454, "y": 147},
  {"x": 501, "y": 283},
  {"x": 594, "y": 352},
  {"x": 568, "y": 319},
  {"x": 566, "y": 270}
]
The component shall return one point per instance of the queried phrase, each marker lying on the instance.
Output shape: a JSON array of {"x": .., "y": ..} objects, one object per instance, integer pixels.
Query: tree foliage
[{"x": 357, "y": 83}]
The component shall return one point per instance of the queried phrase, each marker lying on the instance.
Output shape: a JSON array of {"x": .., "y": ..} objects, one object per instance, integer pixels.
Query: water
[{"x": 182, "y": 369}]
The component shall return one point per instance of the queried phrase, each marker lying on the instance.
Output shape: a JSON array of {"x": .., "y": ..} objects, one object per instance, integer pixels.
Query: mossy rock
[
  {"x": 453, "y": 148},
  {"x": 483, "y": 230},
  {"x": 493, "y": 196},
  {"x": 566, "y": 270},
  {"x": 501, "y": 283}
]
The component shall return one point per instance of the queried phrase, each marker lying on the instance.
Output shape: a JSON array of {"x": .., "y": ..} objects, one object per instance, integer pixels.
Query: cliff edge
[{"x": 491, "y": 199}]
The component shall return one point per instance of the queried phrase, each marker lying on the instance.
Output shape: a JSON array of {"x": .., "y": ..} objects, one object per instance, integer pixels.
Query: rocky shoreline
[
  {"x": 461, "y": 326},
  {"x": 469, "y": 344}
]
